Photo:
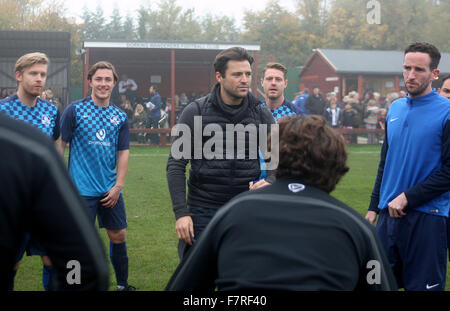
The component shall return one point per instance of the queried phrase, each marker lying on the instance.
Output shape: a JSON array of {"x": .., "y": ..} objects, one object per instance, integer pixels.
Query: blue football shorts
[
  {"x": 31, "y": 246},
  {"x": 416, "y": 246},
  {"x": 110, "y": 218}
]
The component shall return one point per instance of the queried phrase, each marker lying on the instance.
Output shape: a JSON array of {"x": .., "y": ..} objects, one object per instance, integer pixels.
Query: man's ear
[
  {"x": 219, "y": 77},
  {"x": 436, "y": 73},
  {"x": 19, "y": 76}
]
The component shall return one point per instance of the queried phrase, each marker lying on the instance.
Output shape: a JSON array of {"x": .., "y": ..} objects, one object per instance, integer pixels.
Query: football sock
[
  {"x": 47, "y": 276},
  {"x": 119, "y": 260}
]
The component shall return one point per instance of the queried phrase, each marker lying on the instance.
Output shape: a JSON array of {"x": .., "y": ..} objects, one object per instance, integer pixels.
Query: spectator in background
[
  {"x": 333, "y": 114},
  {"x": 128, "y": 88},
  {"x": 315, "y": 103},
  {"x": 168, "y": 112},
  {"x": 378, "y": 98},
  {"x": 371, "y": 119},
  {"x": 369, "y": 95},
  {"x": 193, "y": 96},
  {"x": 139, "y": 120},
  {"x": 4, "y": 93},
  {"x": 300, "y": 101},
  {"x": 48, "y": 95},
  {"x": 349, "y": 115},
  {"x": 382, "y": 122},
  {"x": 126, "y": 107},
  {"x": 184, "y": 101},
  {"x": 358, "y": 106},
  {"x": 154, "y": 112},
  {"x": 349, "y": 119},
  {"x": 445, "y": 87},
  {"x": 177, "y": 101},
  {"x": 390, "y": 98}
]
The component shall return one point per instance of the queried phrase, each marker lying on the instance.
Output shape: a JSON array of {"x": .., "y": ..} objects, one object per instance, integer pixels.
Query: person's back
[
  {"x": 292, "y": 235},
  {"x": 298, "y": 241},
  {"x": 37, "y": 196}
]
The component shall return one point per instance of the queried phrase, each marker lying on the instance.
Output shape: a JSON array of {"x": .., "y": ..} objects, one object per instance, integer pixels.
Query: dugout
[
  {"x": 176, "y": 67},
  {"x": 56, "y": 44}
]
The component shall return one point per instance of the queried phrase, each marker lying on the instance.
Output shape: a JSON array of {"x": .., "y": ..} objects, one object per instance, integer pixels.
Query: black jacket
[
  {"x": 213, "y": 182},
  {"x": 315, "y": 104},
  {"x": 38, "y": 196},
  {"x": 288, "y": 236}
]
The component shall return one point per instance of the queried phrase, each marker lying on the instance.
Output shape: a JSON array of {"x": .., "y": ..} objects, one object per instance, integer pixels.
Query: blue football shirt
[
  {"x": 283, "y": 111},
  {"x": 95, "y": 134},
  {"x": 44, "y": 115}
]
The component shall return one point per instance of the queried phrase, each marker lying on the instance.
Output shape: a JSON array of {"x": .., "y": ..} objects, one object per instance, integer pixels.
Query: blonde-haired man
[{"x": 25, "y": 105}]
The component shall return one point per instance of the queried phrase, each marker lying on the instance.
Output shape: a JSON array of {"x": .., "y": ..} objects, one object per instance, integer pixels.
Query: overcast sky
[{"x": 231, "y": 8}]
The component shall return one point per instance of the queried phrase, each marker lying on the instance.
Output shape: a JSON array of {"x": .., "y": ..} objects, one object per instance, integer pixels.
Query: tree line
[{"x": 286, "y": 36}]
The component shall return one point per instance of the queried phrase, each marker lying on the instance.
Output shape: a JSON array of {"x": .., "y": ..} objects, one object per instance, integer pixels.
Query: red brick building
[{"x": 342, "y": 71}]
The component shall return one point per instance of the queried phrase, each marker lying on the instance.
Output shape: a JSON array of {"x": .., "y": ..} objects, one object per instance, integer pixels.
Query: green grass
[{"x": 151, "y": 237}]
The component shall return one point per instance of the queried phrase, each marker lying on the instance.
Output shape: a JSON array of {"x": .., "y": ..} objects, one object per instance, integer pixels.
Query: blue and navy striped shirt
[
  {"x": 44, "y": 115},
  {"x": 285, "y": 110},
  {"x": 95, "y": 134}
]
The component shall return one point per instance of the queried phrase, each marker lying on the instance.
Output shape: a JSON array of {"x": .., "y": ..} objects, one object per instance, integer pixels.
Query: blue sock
[
  {"x": 119, "y": 260},
  {"x": 47, "y": 276}
]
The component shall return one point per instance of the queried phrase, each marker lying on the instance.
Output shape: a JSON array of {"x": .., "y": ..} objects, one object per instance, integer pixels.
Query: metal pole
[
  {"x": 255, "y": 76},
  {"x": 85, "y": 72},
  {"x": 172, "y": 91}
]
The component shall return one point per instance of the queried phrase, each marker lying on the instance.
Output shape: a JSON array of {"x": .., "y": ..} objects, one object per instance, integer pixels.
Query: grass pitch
[{"x": 151, "y": 237}]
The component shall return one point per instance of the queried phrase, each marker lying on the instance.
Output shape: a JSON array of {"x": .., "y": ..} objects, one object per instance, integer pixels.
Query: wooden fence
[{"x": 352, "y": 136}]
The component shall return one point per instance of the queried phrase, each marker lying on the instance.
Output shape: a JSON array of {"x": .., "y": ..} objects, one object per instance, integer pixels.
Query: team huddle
[{"x": 241, "y": 225}]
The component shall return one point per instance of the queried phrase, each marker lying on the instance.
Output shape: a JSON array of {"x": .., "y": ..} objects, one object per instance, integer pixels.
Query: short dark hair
[
  {"x": 234, "y": 53},
  {"x": 155, "y": 87},
  {"x": 445, "y": 78},
  {"x": 102, "y": 65},
  {"x": 312, "y": 151},
  {"x": 427, "y": 48},
  {"x": 277, "y": 66}
]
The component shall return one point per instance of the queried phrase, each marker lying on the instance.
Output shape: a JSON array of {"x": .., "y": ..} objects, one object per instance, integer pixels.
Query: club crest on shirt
[
  {"x": 296, "y": 187},
  {"x": 114, "y": 120},
  {"x": 101, "y": 134},
  {"x": 45, "y": 119}
]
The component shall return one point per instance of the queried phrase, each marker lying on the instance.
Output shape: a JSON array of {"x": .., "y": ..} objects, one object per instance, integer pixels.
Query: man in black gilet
[{"x": 225, "y": 162}]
